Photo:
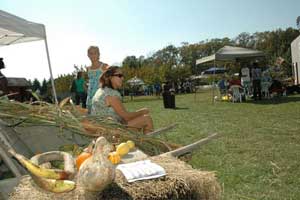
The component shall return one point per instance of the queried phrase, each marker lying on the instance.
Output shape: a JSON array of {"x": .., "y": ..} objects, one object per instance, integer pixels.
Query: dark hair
[
  {"x": 105, "y": 79},
  {"x": 79, "y": 74},
  {"x": 2, "y": 66}
]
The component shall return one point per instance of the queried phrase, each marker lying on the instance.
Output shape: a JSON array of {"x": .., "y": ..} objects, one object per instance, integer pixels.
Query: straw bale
[
  {"x": 181, "y": 182},
  {"x": 203, "y": 184},
  {"x": 28, "y": 190}
]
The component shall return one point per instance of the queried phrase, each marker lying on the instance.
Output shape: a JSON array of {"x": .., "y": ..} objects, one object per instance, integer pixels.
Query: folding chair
[
  {"x": 265, "y": 89},
  {"x": 247, "y": 88},
  {"x": 236, "y": 94}
]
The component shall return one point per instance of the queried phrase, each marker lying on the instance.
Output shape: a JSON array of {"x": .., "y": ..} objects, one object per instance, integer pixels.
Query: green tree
[
  {"x": 63, "y": 83},
  {"x": 131, "y": 62},
  {"x": 36, "y": 85},
  {"x": 44, "y": 87},
  {"x": 244, "y": 40}
]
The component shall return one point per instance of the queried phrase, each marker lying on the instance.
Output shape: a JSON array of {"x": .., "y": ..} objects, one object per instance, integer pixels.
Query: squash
[
  {"x": 97, "y": 172},
  {"x": 114, "y": 157},
  {"x": 130, "y": 144},
  {"x": 122, "y": 149},
  {"x": 81, "y": 158}
]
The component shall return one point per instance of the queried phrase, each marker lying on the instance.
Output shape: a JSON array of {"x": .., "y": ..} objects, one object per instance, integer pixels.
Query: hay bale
[
  {"x": 181, "y": 182},
  {"x": 203, "y": 184},
  {"x": 27, "y": 190}
]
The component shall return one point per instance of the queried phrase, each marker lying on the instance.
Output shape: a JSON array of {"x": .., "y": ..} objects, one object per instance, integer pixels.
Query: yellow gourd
[
  {"x": 114, "y": 157},
  {"x": 122, "y": 149},
  {"x": 130, "y": 144}
]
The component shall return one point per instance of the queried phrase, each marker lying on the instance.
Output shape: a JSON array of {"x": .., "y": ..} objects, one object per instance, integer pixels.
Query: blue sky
[{"x": 132, "y": 27}]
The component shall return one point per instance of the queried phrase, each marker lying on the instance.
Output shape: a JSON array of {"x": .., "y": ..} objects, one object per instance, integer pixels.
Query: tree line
[{"x": 178, "y": 63}]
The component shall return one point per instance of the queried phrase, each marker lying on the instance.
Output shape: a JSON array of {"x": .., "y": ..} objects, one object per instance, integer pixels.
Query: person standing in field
[
  {"x": 80, "y": 90},
  {"x": 94, "y": 72}
]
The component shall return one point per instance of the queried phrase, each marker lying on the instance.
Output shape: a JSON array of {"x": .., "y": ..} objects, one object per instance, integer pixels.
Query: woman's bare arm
[
  {"x": 105, "y": 67},
  {"x": 118, "y": 107}
]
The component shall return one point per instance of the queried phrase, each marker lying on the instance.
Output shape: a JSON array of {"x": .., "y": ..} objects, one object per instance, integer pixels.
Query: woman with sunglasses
[{"x": 107, "y": 103}]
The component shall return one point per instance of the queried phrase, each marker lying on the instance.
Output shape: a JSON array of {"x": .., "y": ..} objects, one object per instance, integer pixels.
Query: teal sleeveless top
[
  {"x": 94, "y": 76},
  {"x": 100, "y": 109},
  {"x": 79, "y": 85}
]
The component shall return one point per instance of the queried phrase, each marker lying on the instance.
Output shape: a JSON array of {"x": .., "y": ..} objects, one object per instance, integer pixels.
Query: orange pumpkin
[
  {"x": 114, "y": 157},
  {"x": 81, "y": 158}
]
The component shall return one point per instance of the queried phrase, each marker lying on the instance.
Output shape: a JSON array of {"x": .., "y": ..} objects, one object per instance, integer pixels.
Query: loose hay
[
  {"x": 181, "y": 182},
  {"x": 28, "y": 190}
]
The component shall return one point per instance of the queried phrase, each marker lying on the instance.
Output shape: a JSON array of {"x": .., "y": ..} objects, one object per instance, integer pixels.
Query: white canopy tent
[
  {"x": 229, "y": 53},
  {"x": 135, "y": 81},
  {"x": 14, "y": 30}
]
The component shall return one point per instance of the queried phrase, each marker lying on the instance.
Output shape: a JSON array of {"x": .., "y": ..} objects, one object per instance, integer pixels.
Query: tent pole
[
  {"x": 213, "y": 83},
  {"x": 50, "y": 70}
]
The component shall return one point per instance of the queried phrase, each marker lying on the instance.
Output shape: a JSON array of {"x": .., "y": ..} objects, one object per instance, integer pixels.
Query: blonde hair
[{"x": 93, "y": 47}]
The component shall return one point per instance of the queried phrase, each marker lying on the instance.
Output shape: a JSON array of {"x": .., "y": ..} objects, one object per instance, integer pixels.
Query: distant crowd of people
[
  {"x": 252, "y": 82},
  {"x": 180, "y": 87}
]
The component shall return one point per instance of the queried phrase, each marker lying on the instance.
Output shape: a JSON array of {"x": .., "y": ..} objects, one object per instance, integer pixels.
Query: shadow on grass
[
  {"x": 275, "y": 100},
  {"x": 142, "y": 100},
  {"x": 178, "y": 108}
]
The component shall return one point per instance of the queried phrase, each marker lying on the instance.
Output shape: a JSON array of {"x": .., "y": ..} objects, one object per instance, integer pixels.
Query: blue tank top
[{"x": 94, "y": 76}]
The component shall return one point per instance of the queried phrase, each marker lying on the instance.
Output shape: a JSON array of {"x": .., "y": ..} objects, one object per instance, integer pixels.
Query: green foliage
[
  {"x": 63, "y": 83},
  {"x": 36, "y": 85},
  {"x": 131, "y": 62},
  {"x": 44, "y": 87}
]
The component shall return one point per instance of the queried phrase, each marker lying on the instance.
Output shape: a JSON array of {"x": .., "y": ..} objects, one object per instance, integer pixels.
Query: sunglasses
[{"x": 119, "y": 75}]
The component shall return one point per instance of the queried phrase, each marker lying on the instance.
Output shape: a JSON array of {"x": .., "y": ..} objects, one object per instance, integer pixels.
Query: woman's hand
[{"x": 143, "y": 111}]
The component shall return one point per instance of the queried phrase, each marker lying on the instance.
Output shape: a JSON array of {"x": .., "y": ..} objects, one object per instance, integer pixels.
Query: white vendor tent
[
  {"x": 135, "y": 81},
  {"x": 14, "y": 29},
  {"x": 229, "y": 53}
]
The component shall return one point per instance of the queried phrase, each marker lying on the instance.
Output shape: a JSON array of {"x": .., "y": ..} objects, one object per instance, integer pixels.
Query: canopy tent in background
[
  {"x": 14, "y": 30},
  {"x": 229, "y": 53},
  {"x": 135, "y": 81},
  {"x": 214, "y": 70}
]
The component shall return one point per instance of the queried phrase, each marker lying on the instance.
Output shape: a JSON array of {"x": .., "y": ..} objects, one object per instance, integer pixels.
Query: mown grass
[{"x": 258, "y": 153}]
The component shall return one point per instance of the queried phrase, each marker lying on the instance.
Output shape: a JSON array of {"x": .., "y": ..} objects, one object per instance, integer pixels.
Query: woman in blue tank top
[{"x": 94, "y": 73}]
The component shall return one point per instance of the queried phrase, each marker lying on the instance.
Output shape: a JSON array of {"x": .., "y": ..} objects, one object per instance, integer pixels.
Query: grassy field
[{"x": 258, "y": 153}]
